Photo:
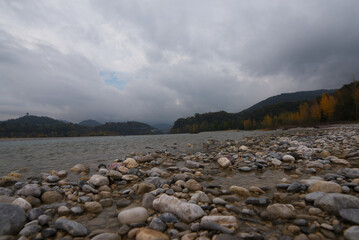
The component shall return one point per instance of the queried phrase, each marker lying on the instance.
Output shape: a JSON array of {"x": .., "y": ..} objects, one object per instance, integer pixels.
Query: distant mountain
[
  {"x": 287, "y": 97},
  {"x": 34, "y": 126},
  {"x": 163, "y": 127},
  {"x": 90, "y": 123}
]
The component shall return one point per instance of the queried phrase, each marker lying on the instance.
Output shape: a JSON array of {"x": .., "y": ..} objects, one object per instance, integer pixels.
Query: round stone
[{"x": 133, "y": 215}]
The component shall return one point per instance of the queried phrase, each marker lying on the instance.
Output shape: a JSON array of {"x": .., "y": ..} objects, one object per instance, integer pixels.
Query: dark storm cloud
[{"x": 155, "y": 61}]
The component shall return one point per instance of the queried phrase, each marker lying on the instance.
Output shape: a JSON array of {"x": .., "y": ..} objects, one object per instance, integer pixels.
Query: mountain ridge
[
  {"x": 35, "y": 126},
  {"x": 287, "y": 97}
]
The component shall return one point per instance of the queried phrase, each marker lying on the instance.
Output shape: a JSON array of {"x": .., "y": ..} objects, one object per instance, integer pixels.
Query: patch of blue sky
[{"x": 113, "y": 79}]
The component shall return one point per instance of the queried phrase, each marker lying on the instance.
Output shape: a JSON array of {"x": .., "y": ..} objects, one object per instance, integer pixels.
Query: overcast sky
[{"x": 156, "y": 61}]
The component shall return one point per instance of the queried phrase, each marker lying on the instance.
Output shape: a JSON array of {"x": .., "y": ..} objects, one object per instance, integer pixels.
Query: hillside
[
  {"x": 34, "y": 126},
  {"x": 289, "y": 109},
  {"x": 287, "y": 97}
]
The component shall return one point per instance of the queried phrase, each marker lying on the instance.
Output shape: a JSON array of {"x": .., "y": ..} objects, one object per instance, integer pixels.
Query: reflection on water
[{"x": 32, "y": 156}]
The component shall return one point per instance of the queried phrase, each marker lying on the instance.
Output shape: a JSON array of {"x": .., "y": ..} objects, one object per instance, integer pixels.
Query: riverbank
[{"x": 296, "y": 184}]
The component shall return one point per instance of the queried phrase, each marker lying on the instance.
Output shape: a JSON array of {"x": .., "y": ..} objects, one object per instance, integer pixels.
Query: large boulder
[
  {"x": 75, "y": 229},
  {"x": 324, "y": 186},
  {"x": 187, "y": 212},
  {"x": 12, "y": 219},
  {"x": 133, "y": 215},
  {"x": 334, "y": 202},
  {"x": 99, "y": 180}
]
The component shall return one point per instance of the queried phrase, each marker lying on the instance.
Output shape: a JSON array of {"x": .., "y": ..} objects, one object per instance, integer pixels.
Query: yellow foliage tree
[
  {"x": 315, "y": 111},
  {"x": 267, "y": 121},
  {"x": 254, "y": 124},
  {"x": 304, "y": 113},
  {"x": 247, "y": 124},
  {"x": 327, "y": 105}
]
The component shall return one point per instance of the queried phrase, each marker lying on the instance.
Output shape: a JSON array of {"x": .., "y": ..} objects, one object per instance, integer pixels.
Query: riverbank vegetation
[{"x": 339, "y": 106}]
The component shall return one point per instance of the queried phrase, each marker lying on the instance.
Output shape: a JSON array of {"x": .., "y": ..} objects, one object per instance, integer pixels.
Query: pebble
[
  {"x": 224, "y": 162},
  {"x": 281, "y": 210},
  {"x": 352, "y": 233},
  {"x": 133, "y": 215},
  {"x": 93, "y": 207},
  {"x": 35, "y": 213},
  {"x": 106, "y": 236},
  {"x": 258, "y": 201},
  {"x": 351, "y": 215},
  {"x": 334, "y": 202},
  {"x": 149, "y": 234},
  {"x": 326, "y": 187},
  {"x": 51, "y": 197},
  {"x": 187, "y": 212},
  {"x": 241, "y": 191},
  {"x": 22, "y": 203},
  {"x": 158, "y": 224},
  {"x": 98, "y": 180},
  {"x": 75, "y": 229}
]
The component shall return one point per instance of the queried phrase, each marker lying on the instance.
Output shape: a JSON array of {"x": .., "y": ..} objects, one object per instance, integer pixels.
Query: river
[{"x": 33, "y": 156}]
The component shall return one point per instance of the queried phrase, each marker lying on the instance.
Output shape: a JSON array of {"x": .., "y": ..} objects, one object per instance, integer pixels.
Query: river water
[{"x": 33, "y": 156}]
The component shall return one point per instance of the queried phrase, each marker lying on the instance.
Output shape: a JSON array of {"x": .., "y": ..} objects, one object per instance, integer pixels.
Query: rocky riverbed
[{"x": 296, "y": 184}]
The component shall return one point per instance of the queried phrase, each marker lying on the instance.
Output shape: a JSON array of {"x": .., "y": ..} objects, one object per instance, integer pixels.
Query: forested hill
[
  {"x": 287, "y": 97},
  {"x": 34, "y": 126},
  {"x": 329, "y": 106}
]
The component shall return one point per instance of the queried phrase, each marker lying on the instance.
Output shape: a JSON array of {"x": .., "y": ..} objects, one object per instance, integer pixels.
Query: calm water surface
[{"x": 33, "y": 156}]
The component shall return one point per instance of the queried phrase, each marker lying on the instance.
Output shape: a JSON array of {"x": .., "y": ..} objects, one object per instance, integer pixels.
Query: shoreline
[{"x": 259, "y": 187}]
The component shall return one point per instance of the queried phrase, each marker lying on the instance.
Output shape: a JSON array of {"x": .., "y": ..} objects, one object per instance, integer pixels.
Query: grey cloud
[{"x": 178, "y": 57}]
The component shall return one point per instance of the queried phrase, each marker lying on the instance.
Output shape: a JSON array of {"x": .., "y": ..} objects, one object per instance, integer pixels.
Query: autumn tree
[
  {"x": 247, "y": 124},
  {"x": 254, "y": 124},
  {"x": 327, "y": 106},
  {"x": 304, "y": 113},
  {"x": 267, "y": 121},
  {"x": 314, "y": 111}
]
